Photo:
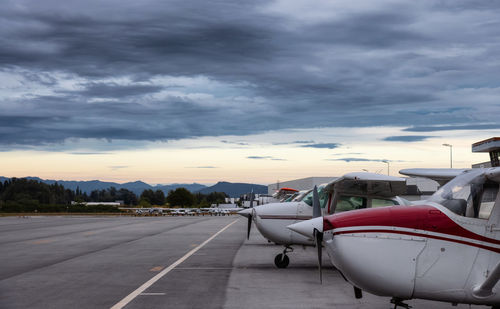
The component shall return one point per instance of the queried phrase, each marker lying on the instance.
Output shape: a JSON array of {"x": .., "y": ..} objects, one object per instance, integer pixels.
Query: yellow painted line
[
  {"x": 157, "y": 268},
  {"x": 194, "y": 245},
  {"x": 122, "y": 303}
]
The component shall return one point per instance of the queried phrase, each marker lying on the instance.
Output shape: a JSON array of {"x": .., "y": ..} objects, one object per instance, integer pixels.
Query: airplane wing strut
[{"x": 485, "y": 290}]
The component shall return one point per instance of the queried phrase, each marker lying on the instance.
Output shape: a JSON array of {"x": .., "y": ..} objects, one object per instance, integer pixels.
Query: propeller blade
[
  {"x": 316, "y": 205},
  {"x": 249, "y": 226},
  {"x": 318, "y": 237}
]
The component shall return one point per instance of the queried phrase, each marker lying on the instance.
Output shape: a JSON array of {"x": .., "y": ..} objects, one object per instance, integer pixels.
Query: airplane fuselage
[
  {"x": 429, "y": 252},
  {"x": 272, "y": 221}
]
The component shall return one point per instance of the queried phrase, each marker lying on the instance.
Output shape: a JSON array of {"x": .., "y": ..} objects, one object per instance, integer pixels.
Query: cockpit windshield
[
  {"x": 323, "y": 197},
  {"x": 301, "y": 196},
  {"x": 470, "y": 195}
]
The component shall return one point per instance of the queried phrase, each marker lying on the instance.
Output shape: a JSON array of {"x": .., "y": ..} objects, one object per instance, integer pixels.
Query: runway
[{"x": 180, "y": 262}]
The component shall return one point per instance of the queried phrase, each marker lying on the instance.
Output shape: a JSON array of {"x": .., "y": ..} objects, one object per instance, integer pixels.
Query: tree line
[{"x": 26, "y": 195}]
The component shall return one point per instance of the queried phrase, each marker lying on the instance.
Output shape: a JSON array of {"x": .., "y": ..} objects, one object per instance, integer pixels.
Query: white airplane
[
  {"x": 446, "y": 248},
  {"x": 349, "y": 192}
]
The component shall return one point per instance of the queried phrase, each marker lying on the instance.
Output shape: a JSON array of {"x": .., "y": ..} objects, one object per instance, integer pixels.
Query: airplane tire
[{"x": 281, "y": 261}]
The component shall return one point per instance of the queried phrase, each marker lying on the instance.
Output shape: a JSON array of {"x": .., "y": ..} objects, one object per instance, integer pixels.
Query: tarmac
[{"x": 163, "y": 262}]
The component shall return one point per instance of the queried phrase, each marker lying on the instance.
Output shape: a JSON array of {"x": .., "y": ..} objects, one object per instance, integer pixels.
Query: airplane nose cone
[
  {"x": 307, "y": 227},
  {"x": 246, "y": 212}
]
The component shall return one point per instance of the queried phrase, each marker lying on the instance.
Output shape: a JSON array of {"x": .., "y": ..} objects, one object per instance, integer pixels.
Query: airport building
[{"x": 492, "y": 146}]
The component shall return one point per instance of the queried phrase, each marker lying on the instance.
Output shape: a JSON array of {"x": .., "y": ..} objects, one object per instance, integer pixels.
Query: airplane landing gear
[
  {"x": 398, "y": 302},
  {"x": 281, "y": 260}
]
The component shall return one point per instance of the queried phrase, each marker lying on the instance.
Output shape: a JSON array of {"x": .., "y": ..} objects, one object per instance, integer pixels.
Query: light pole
[
  {"x": 451, "y": 154},
  {"x": 387, "y": 161}
]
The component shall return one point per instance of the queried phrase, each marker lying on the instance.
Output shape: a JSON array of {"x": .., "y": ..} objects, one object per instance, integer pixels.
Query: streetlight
[
  {"x": 387, "y": 161},
  {"x": 451, "y": 154}
]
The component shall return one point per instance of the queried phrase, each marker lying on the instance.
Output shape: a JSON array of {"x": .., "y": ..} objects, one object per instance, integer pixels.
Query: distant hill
[
  {"x": 234, "y": 189},
  {"x": 137, "y": 186},
  {"x": 194, "y": 187}
]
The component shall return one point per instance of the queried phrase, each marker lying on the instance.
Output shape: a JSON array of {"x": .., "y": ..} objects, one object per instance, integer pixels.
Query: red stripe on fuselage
[
  {"x": 420, "y": 217},
  {"x": 497, "y": 250}
]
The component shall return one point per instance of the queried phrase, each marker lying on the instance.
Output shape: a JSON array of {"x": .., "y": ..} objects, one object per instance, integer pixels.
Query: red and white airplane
[{"x": 446, "y": 248}]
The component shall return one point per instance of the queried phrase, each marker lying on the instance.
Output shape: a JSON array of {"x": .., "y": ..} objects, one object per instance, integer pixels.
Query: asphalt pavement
[{"x": 162, "y": 262}]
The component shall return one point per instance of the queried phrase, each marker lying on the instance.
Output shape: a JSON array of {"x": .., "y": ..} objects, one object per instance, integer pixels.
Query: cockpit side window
[
  {"x": 470, "y": 195},
  {"x": 487, "y": 200},
  {"x": 480, "y": 201},
  {"x": 346, "y": 203},
  {"x": 382, "y": 202},
  {"x": 323, "y": 198}
]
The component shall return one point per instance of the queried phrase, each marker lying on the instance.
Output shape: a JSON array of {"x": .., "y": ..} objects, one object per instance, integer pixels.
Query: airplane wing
[
  {"x": 440, "y": 175},
  {"x": 361, "y": 183}
]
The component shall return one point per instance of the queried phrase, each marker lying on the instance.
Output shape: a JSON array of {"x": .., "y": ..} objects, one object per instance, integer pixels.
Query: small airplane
[
  {"x": 446, "y": 248},
  {"x": 350, "y": 192},
  {"x": 283, "y": 193}
]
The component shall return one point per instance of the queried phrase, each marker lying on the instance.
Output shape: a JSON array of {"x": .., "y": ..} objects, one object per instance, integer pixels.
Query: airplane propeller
[
  {"x": 249, "y": 225},
  {"x": 318, "y": 236}
]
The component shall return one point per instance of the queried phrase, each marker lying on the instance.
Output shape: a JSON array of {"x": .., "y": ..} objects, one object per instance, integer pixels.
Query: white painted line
[
  {"x": 203, "y": 268},
  {"x": 122, "y": 303}
]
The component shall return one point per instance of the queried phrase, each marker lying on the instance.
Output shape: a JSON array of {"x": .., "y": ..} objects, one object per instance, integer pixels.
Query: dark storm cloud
[
  {"x": 407, "y": 138},
  {"x": 112, "y": 90},
  {"x": 323, "y": 145},
  {"x": 99, "y": 68}
]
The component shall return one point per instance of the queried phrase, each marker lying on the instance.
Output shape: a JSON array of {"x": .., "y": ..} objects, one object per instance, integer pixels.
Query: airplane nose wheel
[
  {"x": 398, "y": 302},
  {"x": 282, "y": 260}
]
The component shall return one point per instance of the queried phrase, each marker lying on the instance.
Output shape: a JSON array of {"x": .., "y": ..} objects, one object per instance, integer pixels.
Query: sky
[{"x": 244, "y": 91}]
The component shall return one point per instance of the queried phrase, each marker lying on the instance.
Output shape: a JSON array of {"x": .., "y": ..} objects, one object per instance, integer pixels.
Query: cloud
[
  {"x": 117, "y": 167},
  {"x": 115, "y": 91},
  {"x": 323, "y": 145},
  {"x": 265, "y": 158},
  {"x": 293, "y": 143},
  {"x": 347, "y": 153},
  {"x": 235, "y": 143},
  {"x": 163, "y": 71},
  {"x": 363, "y": 160},
  {"x": 407, "y": 138},
  {"x": 90, "y": 153},
  {"x": 473, "y": 127},
  {"x": 208, "y": 166}
]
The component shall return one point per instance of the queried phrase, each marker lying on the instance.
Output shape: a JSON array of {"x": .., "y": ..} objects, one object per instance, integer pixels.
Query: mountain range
[{"x": 231, "y": 189}]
